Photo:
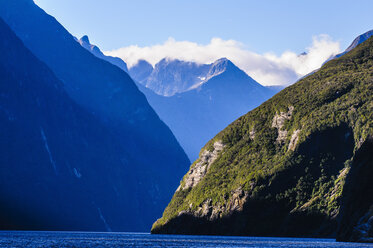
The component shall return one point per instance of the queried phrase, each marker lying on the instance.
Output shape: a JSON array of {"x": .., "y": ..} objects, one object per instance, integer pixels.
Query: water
[{"x": 78, "y": 239}]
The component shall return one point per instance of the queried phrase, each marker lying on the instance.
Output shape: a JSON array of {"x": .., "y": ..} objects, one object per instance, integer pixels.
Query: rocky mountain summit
[
  {"x": 201, "y": 98},
  {"x": 210, "y": 103},
  {"x": 173, "y": 76}
]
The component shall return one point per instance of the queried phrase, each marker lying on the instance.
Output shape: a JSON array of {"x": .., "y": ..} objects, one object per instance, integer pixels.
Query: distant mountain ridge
[
  {"x": 199, "y": 113},
  {"x": 172, "y": 76},
  {"x": 198, "y": 100}
]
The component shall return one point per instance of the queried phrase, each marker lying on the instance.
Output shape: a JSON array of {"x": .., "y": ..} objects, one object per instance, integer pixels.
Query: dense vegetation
[{"x": 333, "y": 111}]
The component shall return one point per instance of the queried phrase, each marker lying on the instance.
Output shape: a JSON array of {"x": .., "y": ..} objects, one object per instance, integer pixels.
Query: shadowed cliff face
[
  {"x": 145, "y": 158},
  {"x": 357, "y": 204},
  {"x": 61, "y": 169}
]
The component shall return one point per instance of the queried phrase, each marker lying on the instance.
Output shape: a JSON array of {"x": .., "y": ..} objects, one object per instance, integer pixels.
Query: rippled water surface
[{"x": 77, "y": 239}]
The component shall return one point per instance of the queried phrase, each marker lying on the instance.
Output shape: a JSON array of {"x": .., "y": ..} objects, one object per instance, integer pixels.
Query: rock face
[
  {"x": 141, "y": 70},
  {"x": 298, "y": 165},
  {"x": 279, "y": 122},
  {"x": 294, "y": 140},
  {"x": 147, "y": 156},
  {"x": 199, "y": 170},
  {"x": 357, "y": 208},
  {"x": 171, "y": 76}
]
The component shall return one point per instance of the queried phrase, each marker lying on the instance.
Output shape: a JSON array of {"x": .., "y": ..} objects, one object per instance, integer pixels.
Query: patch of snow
[{"x": 196, "y": 85}]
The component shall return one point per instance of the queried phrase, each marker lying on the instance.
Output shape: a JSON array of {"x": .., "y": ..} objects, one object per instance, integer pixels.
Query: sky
[{"x": 264, "y": 38}]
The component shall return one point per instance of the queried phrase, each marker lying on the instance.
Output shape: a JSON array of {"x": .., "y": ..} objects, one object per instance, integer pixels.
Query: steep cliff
[
  {"x": 290, "y": 166},
  {"x": 61, "y": 168},
  {"x": 144, "y": 144}
]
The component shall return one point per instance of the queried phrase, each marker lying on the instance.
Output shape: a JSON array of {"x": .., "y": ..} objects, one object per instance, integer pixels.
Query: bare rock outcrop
[
  {"x": 294, "y": 140},
  {"x": 235, "y": 203},
  {"x": 252, "y": 134},
  {"x": 279, "y": 122},
  {"x": 197, "y": 173}
]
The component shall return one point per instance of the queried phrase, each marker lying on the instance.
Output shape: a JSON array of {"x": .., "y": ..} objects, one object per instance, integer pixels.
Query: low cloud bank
[{"x": 267, "y": 69}]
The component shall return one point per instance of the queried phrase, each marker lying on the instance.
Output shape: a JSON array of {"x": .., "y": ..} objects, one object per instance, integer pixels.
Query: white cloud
[{"x": 267, "y": 69}]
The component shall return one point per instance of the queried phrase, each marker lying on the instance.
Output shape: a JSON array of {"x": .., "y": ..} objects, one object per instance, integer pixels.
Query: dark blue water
[{"x": 76, "y": 239}]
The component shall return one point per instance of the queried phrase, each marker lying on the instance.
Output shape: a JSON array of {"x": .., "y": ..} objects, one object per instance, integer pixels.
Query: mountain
[
  {"x": 141, "y": 70},
  {"x": 171, "y": 76},
  {"x": 299, "y": 165},
  {"x": 61, "y": 169},
  {"x": 205, "y": 97},
  {"x": 84, "y": 42},
  {"x": 149, "y": 149},
  {"x": 198, "y": 114}
]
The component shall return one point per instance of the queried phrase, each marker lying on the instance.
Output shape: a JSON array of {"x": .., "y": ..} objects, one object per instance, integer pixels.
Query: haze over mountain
[
  {"x": 198, "y": 100},
  {"x": 299, "y": 165},
  {"x": 216, "y": 95},
  {"x": 142, "y": 144}
]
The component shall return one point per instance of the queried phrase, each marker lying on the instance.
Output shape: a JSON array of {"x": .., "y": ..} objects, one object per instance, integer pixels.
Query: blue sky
[{"x": 261, "y": 27}]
